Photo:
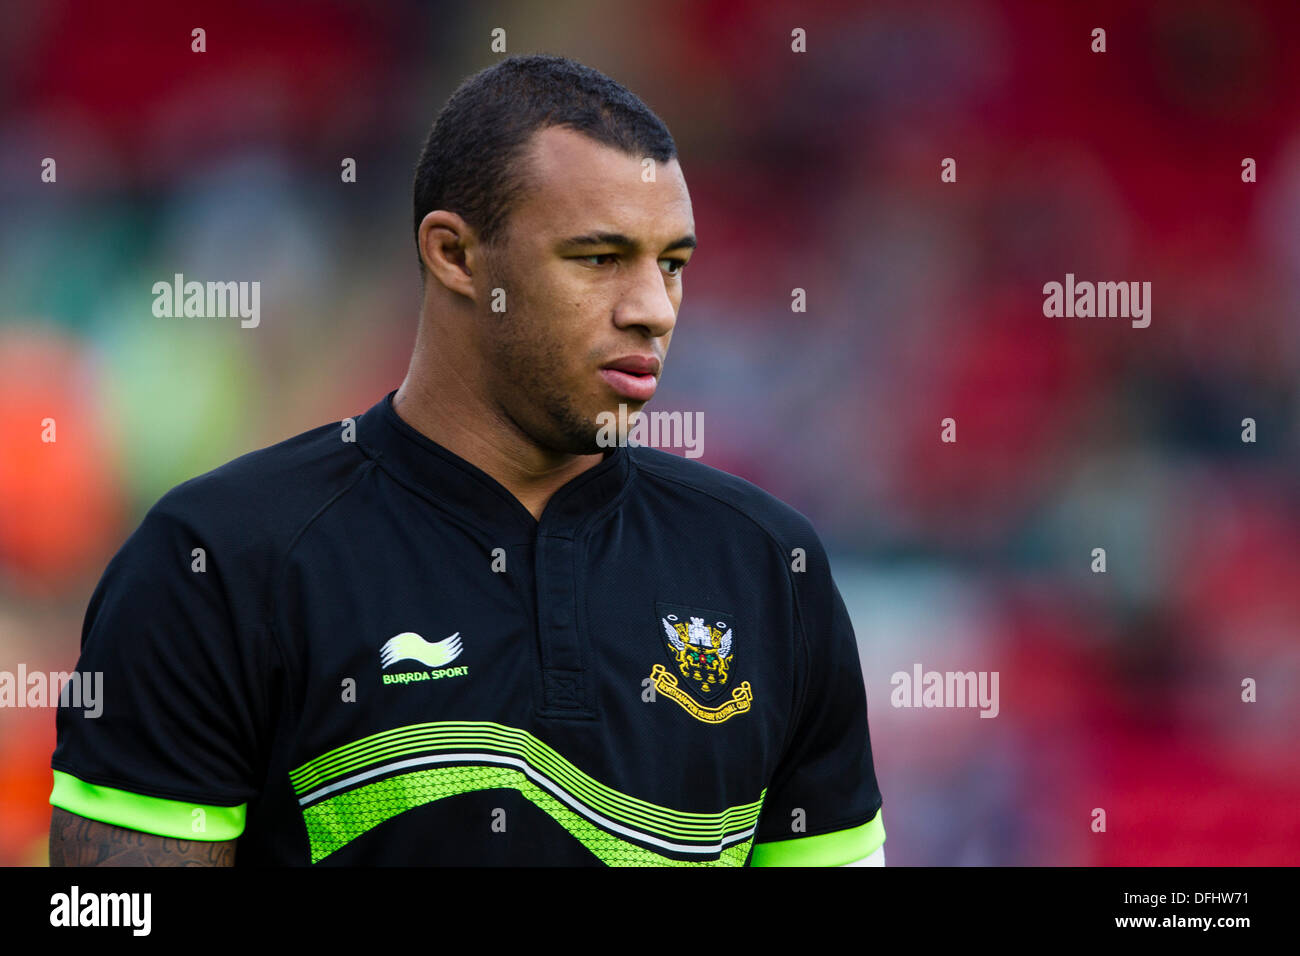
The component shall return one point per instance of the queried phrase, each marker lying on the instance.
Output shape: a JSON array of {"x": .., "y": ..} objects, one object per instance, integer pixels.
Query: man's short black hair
[{"x": 468, "y": 163}]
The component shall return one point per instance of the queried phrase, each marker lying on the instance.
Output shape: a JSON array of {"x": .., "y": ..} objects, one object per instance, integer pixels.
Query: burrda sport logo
[{"x": 409, "y": 646}]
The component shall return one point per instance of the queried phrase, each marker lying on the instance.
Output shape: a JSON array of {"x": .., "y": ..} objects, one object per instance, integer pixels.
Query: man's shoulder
[
  {"x": 268, "y": 494},
  {"x": 723, "y": 493}
]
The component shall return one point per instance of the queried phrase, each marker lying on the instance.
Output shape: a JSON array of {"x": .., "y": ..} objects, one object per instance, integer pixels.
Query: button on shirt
[{"x": 356, "y": 648}]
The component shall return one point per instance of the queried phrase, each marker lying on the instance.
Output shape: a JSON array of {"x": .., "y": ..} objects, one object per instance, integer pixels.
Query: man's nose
[{"x": 646, "y": 302}]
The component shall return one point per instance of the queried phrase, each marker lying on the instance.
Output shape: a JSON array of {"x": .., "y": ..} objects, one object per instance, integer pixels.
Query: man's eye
[
  {"x": 601, "y": 255},
  {"x": 679, "y": 263}
]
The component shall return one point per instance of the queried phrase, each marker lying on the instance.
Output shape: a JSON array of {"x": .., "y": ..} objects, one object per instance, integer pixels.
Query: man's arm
[
  {"x": 826, "y": 778},
  {"x": 76, "y": 841},
  {"x": 163, "y": 772}
]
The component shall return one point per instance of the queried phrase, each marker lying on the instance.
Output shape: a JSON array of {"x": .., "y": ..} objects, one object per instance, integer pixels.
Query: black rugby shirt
[{"x": 354, "y": 648}]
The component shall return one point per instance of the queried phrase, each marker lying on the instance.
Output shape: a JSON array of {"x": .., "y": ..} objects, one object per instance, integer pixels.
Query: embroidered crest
[
  {"x": 702, "y": 652},
  {"x": 666, "y": 684},
  {"x": 701, "y": 645}
]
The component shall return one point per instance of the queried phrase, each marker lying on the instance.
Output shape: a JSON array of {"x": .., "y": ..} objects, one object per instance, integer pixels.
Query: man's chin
[
  {"x": 624, "y": 410},
  {"x": 585, "y": 438},
  {"x": 614, "y": 423}
]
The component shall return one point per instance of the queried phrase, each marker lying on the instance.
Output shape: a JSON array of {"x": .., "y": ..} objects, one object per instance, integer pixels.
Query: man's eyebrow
[{"x": 618, "y": 239}]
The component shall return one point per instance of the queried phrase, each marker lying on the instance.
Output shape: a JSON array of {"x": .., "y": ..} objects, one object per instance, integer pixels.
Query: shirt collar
[{"x": 476, "y": 495}]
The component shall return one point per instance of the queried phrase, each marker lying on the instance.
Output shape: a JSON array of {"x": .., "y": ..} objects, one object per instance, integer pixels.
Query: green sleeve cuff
[
  {"x": 827, "y": 849},
  {"x": 134, "y": 811}
]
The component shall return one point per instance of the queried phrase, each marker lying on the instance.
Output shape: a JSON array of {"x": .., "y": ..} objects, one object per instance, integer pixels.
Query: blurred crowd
[{"x": 817, "y": 171}]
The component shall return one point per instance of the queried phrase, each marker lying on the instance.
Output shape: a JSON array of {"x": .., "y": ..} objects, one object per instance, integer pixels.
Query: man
[{"x": 462, "y": 628}]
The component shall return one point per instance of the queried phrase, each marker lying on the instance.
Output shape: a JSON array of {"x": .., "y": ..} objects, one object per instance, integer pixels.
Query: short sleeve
[
  {"x": 175, "y": 747},
  {"x": 823, "y": 806}
]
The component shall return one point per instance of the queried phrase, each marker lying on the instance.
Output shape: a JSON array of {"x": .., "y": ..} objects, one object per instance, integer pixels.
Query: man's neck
[{"x": 451, "y": 418}]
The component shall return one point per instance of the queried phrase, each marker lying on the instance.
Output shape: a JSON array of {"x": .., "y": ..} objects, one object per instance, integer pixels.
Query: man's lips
[{"x": 633, "y": 377}]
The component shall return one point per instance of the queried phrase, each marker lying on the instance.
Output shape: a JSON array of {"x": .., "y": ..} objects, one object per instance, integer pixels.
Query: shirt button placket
[{"x": 565, "y": 690}]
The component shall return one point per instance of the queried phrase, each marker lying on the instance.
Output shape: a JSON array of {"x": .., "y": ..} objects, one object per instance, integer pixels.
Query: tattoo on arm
[{"x": 76, "y": 841}]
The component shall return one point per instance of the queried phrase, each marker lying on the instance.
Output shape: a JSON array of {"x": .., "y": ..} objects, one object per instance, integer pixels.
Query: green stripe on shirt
[
  {"x": 180, "y": 819},
  {"x": 827, "y": 849}
]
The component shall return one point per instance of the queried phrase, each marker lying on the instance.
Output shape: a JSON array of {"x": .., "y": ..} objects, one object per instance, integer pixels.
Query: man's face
[{"x": 591, "y": 273}]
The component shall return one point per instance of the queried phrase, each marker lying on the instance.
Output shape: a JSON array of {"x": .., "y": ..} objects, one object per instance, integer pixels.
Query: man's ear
[{"x": 448, "y": 246}]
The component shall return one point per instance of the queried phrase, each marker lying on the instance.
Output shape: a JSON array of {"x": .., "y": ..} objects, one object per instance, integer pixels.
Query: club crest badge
[{"x": 701, "y": 647}]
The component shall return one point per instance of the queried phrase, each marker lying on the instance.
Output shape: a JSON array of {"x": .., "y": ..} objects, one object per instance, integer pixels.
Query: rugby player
[{"x": 460, "y": 627}]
